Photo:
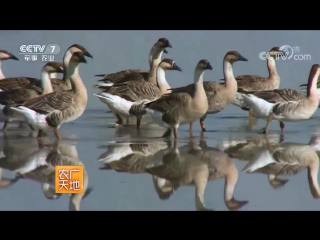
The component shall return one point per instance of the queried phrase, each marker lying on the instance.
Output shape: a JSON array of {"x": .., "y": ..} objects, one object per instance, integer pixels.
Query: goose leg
[
  {"x": 175, "y": 133},
  {"x": 268, "y": 122},
  {"x": 39, "y": 134},
  {"x": 251, "y": 113},
  {"x": 282, "y": 127},
  {"x": 127, "y": 121},
  {"x": 175, "y": 144},
  {"x": 5, "y": 125},
  {"x": 191, "y": 127},
  {"x": 56, "y": 133},
  {"x": 119, "y": 120},
  {"x": 203, "y": 128},
  {"x": 138, "y": 122}
]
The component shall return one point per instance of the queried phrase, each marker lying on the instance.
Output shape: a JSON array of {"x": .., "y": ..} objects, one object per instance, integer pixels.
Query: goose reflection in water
[
  {"x": 288, "y": 158},
  {"x": 172, "y": 167},
  {"x": 36, "y": 161}
]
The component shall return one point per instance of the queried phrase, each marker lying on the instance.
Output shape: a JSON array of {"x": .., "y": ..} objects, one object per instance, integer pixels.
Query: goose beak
[
  {"x": 165, "y": 51},
  {"x": 176, "y": 67},
  {"x": 83, "y": 60},
  {"x": 86, "y": 53},
  {"x": 209, "y": 66},
  {"x": 168, "y": 45},
  {"x": 242, "y": 58},
  {"x": 13, "y": 57}
]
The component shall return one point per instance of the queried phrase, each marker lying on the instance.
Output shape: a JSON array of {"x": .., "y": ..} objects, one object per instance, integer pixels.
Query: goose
[
  {"x": 196, "y": 165},
  {"x": 286, "y": 104},
  {"x": 254, "y": 83},
  {"x": 136, "y": 74},
  {"x": 37, "y": 163},
  {"x": 131, "y": 157},
  {"x": 246, "y": 149},
  {"x": 57, "y": 84},
  {"x": 54, "y": 109},
  {"x": 304, "y": 88},
  {"x": 123, "y": 99},
  {"x": 5, "y": 55},
  {"x": 174, "y": 109},
  {"x": 287, "y": 159},
  {"x": 219, "y": 95},
  {"x": 19, "y": 96}
]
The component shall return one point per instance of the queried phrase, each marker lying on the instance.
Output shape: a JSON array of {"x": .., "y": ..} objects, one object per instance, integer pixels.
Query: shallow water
[{"x": 128, "y": 184}]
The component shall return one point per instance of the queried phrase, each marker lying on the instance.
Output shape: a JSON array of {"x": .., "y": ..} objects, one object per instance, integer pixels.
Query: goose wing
[
  {"x": 210, "y": 87},
  {"x": 280, "y": 95},
  {"x": 18, "y": 82},
  {"x": 20, "y": 95},
  {"x": 126, "y": 75},
  {"x": 50, "y": 102},
  {"x": 134, "y": 91},
  {"x": 170, "y": 101},
  {"x": 252, "y": 84}
]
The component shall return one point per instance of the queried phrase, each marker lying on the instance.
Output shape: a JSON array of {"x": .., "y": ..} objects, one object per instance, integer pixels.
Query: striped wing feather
[
  {"x": 50, "y": 102},
  {"x": 134, "y": 91},
  {"x": 126, "y": 75},
  {"x": 280, "y": 95},
  {"x": 170, "y": 101},
  {"x": 20, "y": 95},
  {"x": 18, "y": 82}
]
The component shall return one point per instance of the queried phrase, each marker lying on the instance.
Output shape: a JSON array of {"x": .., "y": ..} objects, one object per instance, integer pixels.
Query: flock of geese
[
  {"x": 136, "y": 93},
  {"x": 49, "y": 102},
  {"x": 191, "y": 165}
]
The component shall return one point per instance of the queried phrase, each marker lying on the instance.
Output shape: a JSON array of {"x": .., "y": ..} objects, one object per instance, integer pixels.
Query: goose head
[
  {"x": 234, "y": 56},
  {"x": 169, "y": 64},
  {"x": 53, "y": 67},
  {"x": 313, "y": 78},
  {"x": 204, "y": 64},
  {"x": 78, "y": 57},
  {"x": 162, "y": 44},
  {"x": 5, "y": 55},
  {"x": 79, "y": 48},
  {"x": 276, "y": 52}
]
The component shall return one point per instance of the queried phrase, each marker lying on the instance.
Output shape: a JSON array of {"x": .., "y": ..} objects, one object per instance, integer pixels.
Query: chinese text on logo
[{"x": 69, "y": 179}]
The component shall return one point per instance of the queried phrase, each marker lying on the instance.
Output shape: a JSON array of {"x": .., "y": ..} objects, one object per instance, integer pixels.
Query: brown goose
[
  {"x": 37, "y": 161},
  {"x": 57, "y": 84},
  {"x": 219, "y": 95},
  {"x": 122, "y": 99},
  {"x": 54, "y": 109},
  {"x": 130, "y": 157},
  {"x": 254, "y": 83},
  {"x": 5, "y": 55},
  {"x": 286, "y": 105},
  {"x": 196, "y": 165},
  {"x": 287, "y": 159},
  {"x": 19, "y": 96},
  {"x": 174, "y": 109},
  {"x": 136, "y": 74}
]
